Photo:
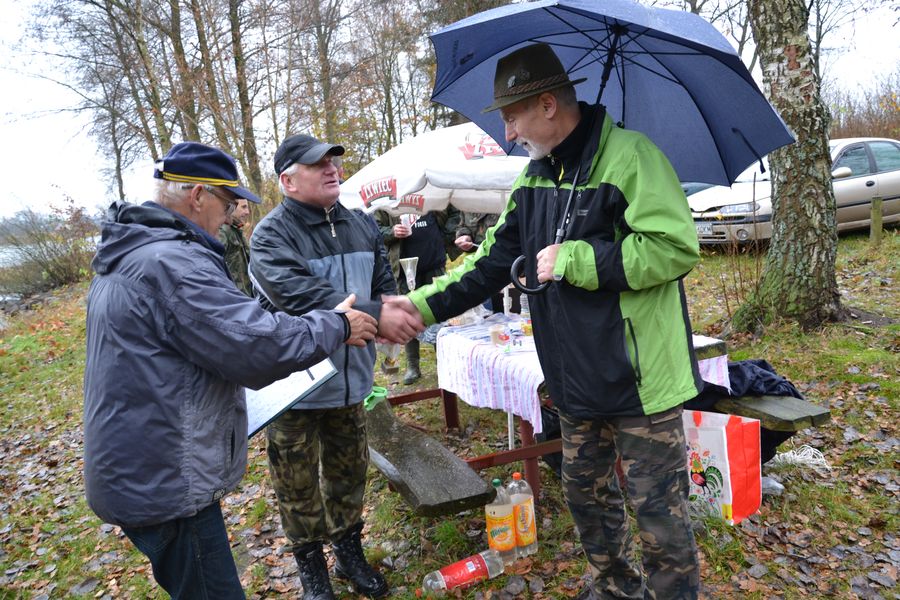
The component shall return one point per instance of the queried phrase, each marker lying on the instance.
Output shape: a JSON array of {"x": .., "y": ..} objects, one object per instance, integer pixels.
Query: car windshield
[{"x": 753, "y": 170}]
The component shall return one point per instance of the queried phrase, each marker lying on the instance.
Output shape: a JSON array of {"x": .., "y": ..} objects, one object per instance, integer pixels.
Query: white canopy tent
[{"x": 459, "y": 165}]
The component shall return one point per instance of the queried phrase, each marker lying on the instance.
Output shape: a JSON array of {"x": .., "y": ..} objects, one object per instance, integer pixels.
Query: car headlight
[{"x": 735, "y": 209}]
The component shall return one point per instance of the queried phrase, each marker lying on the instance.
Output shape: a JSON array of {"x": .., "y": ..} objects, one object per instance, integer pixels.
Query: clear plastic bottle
[
  {"x": 525, "y": 314},
  {"x": 522, "y": 499},
  {"x": 462, "y": 574},
  {"x": 391, "y": 352},
  {"x": 501, "y": 525}
]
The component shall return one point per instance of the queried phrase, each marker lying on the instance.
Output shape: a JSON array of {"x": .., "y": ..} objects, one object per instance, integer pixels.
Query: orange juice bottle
[
  {"x": 522, "y": 499},
  {"x": 501, "y": 526}
]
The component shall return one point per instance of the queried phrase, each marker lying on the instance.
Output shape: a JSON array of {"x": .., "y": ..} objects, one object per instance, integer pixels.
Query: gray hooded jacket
[{"x": 170, "y": 342}]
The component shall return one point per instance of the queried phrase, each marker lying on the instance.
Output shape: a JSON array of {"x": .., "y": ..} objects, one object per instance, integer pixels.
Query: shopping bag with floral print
[{"x": 723, "y": 464}]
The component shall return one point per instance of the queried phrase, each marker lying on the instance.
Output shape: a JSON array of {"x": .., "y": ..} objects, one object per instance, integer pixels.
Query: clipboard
[{"x": 267, "y": 404}]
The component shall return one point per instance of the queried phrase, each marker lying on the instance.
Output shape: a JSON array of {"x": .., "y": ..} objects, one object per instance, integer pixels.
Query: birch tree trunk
[{"x": 798, "y": 280}]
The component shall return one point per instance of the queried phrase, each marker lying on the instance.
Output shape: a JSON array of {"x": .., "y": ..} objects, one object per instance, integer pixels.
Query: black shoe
[
  {"x": 411, "y": 376},
  {"x": 587, "y": 592},
  {"x": 350, "y": 563},
  {"x": 314, "y": 572}
]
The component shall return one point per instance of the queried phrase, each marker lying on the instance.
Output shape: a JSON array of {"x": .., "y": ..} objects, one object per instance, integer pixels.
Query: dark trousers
[{"x": 191, "y": 557}]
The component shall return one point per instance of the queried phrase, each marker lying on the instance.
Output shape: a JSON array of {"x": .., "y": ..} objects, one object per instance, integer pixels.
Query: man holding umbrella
[{"x": 611, "y": 330}]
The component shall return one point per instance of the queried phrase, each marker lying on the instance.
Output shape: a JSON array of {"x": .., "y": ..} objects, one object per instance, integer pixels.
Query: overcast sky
[{"x": 47, "y": 155}]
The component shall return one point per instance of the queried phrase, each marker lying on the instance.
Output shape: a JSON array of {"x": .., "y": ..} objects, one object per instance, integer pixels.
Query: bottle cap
[
  {"x": 496, "y": 483},
  {"x": 517, "y": 476}
]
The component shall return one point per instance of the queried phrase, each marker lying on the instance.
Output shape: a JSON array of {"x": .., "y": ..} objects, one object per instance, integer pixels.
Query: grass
[{"x": 51, "y": 545}]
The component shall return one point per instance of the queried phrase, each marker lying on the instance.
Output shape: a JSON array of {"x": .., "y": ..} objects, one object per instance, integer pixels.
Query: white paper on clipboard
[{"x": 264, "y": 405}]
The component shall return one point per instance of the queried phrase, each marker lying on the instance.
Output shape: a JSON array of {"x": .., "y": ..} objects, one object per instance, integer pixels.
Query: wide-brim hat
[
  {"x": 192, "y": 162},
  {"x": 303, "y": 149},
  {"x": 527, "y": 72}
]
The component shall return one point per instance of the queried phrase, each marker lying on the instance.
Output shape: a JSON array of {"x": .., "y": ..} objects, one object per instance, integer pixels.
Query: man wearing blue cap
[
  {"x": 307, "y": 252},
  {"x": 170, "y": 343}
]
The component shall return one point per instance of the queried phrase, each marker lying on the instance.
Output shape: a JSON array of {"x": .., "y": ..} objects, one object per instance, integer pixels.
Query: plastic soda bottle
[
  {"x": 522, "y": 499},
  {"x": 525, "y": 315},
  {"x": 501, "y": 526},
  {"x": 462, "y": 574}
]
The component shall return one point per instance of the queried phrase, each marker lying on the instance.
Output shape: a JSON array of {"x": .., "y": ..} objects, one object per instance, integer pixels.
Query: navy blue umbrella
[{"x": 666, "y": 73}]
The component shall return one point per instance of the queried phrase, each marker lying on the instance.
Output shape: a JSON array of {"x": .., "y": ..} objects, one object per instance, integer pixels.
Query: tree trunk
[
  {"x": 209, "y": 78},
  {"x": 152, "y": 86},
  {"x": 124, "y": 57},
  {"x": 249, "y": 152},
  {"x": 184, "y": 97},
  {"x": 798, "y": 280},
  {"x": 326, "y": 17}
]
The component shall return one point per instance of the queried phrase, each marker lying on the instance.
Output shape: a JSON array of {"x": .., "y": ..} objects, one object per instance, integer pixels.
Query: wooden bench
[
  {"x": 778, "y": 413},
  {"x": 429, "y": 477}
]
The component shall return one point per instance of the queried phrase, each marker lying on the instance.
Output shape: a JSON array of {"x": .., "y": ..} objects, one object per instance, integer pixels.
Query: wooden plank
[
  {"x": 505, "y": 457},
  {"x": 429, "y": 477},
  {"x": 409, "y": 397},
  {"x": 707, "y": 347},
  {"x": 778, "y": 413}
]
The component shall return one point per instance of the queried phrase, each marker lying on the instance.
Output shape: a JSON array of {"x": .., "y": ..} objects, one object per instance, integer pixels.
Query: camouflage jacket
[
  {"x": 475, "y": 225},
  {"x": 237, "y": 256}
]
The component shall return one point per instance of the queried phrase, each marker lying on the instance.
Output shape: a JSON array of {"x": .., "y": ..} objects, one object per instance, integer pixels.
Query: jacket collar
[
  {"x": 313, "y": 215},
  {"x": 182, "y": 223}
]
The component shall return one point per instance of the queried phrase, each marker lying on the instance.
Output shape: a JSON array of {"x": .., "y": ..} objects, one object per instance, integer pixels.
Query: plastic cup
[{"x": 499, "y": 337}]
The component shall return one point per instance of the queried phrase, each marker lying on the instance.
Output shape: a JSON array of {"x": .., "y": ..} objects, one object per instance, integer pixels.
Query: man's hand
[
  {"x": 464, "y": 243},
  {"x": 362, "y": 326},
  {"x": 401, "y": 231},
  {"x": 546, "y": 259},
  {"x": 400, "y": 320}
]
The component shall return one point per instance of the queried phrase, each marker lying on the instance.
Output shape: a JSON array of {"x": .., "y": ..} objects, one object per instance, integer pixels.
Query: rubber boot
[
  {"x": 412, "y": 363},
  {"x": 350, "y": 563},
  {"x": 313, "y": 572}
]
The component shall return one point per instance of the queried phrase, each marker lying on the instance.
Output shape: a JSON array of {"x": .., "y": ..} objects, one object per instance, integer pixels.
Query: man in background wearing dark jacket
[
  {"x": 306, "y": 253},
  {"x": 424, "y": 238},
  {"x": 170, "y": 343}
]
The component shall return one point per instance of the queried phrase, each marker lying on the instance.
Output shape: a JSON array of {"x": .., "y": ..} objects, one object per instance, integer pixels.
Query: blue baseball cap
[{"x": 191, "y": 162}]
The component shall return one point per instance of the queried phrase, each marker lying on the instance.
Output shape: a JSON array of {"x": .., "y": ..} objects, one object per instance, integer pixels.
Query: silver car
[{"x": 862, "y": 169}]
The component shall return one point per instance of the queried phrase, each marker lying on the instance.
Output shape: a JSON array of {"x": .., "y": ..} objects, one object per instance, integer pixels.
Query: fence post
[{"x": 876, "y": 227}]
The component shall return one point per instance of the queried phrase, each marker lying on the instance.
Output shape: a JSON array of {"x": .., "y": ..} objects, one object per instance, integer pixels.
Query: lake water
[{"x": 8, "y": 256}]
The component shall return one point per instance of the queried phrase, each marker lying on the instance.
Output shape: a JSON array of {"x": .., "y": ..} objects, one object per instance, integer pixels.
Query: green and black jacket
[{"x": 613, "y": 335}]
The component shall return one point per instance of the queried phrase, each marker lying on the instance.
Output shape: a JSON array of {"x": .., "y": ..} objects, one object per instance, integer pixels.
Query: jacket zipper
[
  {"x": 331, "y": 224},
  {"x": 636, "y": 363},
  {"x": 344, "y": 278}
]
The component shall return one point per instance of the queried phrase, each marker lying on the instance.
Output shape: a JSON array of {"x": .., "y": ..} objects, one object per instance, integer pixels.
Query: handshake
[{"x": 399, "y": 323}]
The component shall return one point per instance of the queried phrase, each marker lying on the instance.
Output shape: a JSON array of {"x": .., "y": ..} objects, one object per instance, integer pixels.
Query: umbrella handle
[{"x": 515, "y": 272}]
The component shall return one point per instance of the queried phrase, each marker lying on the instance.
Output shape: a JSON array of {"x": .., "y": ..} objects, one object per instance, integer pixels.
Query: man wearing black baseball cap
[
  {"x": 171, "y": 344},
  {"x": 307, "y": 252}
]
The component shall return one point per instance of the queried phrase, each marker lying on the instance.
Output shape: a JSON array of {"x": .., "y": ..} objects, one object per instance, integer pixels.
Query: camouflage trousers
[
  {"x": 318, "y": 460},
  {"x": 652, "y": 452}
]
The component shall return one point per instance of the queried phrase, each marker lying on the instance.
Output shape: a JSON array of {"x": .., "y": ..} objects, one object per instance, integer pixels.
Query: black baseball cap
[{"x": 303, "y": 149}]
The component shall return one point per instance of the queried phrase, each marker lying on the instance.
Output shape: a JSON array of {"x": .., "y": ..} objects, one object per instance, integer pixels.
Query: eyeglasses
[{"x": 230, "y": 202}]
